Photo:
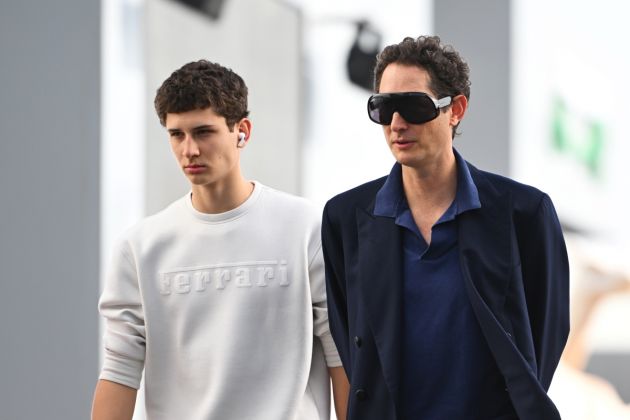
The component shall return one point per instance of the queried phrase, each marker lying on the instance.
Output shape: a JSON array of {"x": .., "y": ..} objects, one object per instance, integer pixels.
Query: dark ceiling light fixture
[
  {"x": 362, "y": 56},
  {"x": 211, "y": 8}
]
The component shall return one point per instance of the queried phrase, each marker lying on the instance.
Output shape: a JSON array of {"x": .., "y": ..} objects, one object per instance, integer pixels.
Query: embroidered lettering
[
  {"x": 182, "y": 283},
  {"x": 244, "y": 275},
  {"x": 202, "y": 279},
  {"x": 221, "y": 275},
  {"x": 264, "y": 275},
  {"x": 241, "y": 277},
  {"x": 165, "y": 284},
  {"x": 282, "y": 268}
]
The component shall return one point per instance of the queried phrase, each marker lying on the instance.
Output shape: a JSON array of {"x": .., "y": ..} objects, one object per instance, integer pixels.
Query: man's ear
[
  {"x": 244, "y": 126},
  {"x": 459, "y": 104}
]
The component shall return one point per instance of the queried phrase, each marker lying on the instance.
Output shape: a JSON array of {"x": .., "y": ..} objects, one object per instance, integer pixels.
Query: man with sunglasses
[{"x": 447, "y": 285}]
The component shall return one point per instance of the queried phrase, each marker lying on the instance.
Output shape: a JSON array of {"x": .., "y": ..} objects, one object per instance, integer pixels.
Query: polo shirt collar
[{"x": 391, "y": 202}]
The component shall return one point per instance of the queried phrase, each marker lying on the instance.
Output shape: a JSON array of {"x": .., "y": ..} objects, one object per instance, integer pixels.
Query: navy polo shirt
[{"x": 448, "y": 371}]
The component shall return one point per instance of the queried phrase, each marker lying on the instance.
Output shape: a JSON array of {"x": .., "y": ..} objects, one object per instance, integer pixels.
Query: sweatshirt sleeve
[
  {"x": 121, "y": 306},
  {"x": 320, "y": 309}
]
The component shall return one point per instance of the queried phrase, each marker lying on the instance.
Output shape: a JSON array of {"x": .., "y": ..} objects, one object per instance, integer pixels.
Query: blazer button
[
  {"x": 357, "y": 341},
  {"x": 360, "y": 394}
]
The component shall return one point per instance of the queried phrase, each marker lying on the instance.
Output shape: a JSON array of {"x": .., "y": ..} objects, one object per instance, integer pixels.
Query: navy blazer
[{"x": 516, "y": 274}]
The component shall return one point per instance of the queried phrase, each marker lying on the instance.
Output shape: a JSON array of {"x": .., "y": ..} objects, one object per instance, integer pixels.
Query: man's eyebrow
[
  {"x": 203, "y": 127},
  {"x": 199, "y": 127}
]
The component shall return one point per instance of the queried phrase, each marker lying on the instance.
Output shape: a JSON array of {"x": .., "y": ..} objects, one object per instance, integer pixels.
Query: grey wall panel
[
  {"x": 480, "y": 31},
  {"x": 49, "y": 207}
]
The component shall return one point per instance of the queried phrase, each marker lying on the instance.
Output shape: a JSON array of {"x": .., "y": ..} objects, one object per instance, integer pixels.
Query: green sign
[{"x": 577, "y": 136}]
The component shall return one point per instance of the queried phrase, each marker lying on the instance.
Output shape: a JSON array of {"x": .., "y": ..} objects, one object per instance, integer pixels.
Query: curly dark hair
[
  {"x": 448, "y": 72},
  {"x": 200, "y": 85}
]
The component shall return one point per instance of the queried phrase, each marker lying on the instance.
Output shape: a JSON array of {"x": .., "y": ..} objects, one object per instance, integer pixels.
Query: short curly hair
[
  {"x": 200, "y": 85},
  {"x": 448, "y": 72}
]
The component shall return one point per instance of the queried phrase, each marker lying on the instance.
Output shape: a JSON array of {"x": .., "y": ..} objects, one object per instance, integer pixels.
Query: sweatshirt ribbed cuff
[
  {"x": 121, "y": 370},
  {"x": 330, "y": 351}
]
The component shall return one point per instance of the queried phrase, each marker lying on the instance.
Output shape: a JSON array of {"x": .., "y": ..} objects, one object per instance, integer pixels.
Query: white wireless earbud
[{"x": 241, "y": 140}]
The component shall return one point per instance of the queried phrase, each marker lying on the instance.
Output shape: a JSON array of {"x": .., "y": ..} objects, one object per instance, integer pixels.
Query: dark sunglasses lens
[
  {"x": 380, "y": 110},
  {"x": 417, "y": 109}
]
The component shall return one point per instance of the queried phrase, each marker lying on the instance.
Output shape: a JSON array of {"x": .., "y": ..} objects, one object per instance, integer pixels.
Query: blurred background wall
[
  {"x": 50, "y": 95},
  {"x": 82, "y": 155}
]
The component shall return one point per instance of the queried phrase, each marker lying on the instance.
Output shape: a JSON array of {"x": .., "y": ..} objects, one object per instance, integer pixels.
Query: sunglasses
[{"x": 414, "y": 107}]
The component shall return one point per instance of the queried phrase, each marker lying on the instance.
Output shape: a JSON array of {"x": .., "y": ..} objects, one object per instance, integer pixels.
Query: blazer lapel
[
  {"x": 484, "y": 240},
  {"x": 380, "y": 274}
]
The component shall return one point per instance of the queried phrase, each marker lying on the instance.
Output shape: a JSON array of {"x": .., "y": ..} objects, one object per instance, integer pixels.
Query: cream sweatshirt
[{"x": 226, "y": 313}]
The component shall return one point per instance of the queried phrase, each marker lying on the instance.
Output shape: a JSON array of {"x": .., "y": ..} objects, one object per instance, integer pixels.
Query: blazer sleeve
[
  {"x": 545, "y": 269},
  {"x": 332, "y": 247}
]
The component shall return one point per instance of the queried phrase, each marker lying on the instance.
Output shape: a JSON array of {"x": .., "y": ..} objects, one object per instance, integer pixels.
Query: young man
[
  {"x": 447, "y": 285},
  {"x": 220, "y": 297}
]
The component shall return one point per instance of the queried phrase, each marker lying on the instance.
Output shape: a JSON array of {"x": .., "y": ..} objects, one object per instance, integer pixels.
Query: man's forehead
[
  {"x": 193, "y": 118},
  {"x": 405, "y": 78}
]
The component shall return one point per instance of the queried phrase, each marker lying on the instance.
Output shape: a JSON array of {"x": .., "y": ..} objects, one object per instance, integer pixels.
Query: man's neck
[
  {"x": 431, "y": 185},
  {"x": 221, "y": 197},
  {"x": 429, "y": 191}
]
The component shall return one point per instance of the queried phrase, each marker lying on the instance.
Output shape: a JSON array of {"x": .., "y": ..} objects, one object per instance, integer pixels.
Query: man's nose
[
  {"x": 398, "y": 122},
  {"x": 190, "y": 147}
]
